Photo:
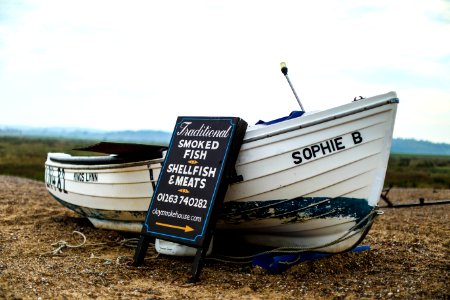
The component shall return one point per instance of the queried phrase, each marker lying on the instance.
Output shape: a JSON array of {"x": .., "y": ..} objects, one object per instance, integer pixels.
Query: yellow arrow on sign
[{"x": 185, "y": 228}]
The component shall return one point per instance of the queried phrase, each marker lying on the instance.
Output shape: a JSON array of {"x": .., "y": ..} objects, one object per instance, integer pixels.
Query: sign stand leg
[
  {"x": 141, "y": 250},
  {"x": 199, "y": 259},
  {"x": 197, "y": 265}
]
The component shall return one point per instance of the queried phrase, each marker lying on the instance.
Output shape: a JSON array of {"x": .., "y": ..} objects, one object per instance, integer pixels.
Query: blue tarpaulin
[
  {"x": 292, "y": 115},
  {"x": 280, "y": 263}
]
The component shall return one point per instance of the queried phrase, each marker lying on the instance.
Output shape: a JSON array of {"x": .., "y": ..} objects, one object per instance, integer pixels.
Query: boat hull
[{"x": 312, "y": 182}]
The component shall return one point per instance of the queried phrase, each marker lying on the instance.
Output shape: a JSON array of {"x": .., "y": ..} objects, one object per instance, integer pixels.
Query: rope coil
[{"x": 63, "y": 244}]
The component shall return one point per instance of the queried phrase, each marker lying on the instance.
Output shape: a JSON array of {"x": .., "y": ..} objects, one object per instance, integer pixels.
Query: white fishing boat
[{"x": 310, "y": 182}]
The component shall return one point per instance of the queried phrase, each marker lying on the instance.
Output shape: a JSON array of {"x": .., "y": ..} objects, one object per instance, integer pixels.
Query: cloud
[{"x": 146, "y": 62}]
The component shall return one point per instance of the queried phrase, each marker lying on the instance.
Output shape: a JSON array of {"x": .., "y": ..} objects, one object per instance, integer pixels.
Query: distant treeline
[
  {"x": 405, "y": 146},
  {"x": 25, "y": 157},
  {"x": 412, "y": 146},
  {"x": 138, "y": 136}
]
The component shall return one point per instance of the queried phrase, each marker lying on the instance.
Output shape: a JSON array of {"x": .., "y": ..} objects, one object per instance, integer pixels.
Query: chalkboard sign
[
  {"x": 198, "y": 167},
  {"x": 194, "y": 178}
]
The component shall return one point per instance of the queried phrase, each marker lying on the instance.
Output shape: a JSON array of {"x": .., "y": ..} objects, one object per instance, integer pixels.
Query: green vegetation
[
  {"x": 25, "y": 157},
  {"x": 421, "y": 171}
]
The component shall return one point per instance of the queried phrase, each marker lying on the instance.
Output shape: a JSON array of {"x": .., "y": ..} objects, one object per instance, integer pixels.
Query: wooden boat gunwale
[{"x": 319, "y": 119}]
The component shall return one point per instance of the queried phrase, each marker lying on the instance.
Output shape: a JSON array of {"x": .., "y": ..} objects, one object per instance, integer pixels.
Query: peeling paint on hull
[{"x": 301, "y": 222}]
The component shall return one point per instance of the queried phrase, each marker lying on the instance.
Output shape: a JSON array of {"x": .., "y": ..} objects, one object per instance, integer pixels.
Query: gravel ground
[{"x": 409, "y": 258}]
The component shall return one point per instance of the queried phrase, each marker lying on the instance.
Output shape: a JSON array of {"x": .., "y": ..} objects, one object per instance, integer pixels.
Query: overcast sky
[{"x": 120, "y": 65}]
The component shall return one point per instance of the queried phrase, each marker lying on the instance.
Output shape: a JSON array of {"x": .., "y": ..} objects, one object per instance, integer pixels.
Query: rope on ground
[
  {"x": 127, "y": 260},
  {"x": 62, "y": 244},
  {"x": 130, "y": 243}
]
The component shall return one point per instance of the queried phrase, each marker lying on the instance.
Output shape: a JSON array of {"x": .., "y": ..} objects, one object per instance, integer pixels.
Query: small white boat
[
  {"x": 311, "y": 182},
  {"x": 113, "y": 191}
]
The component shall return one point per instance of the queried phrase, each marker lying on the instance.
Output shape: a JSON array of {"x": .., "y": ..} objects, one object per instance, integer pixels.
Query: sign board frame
[{"x": 198, "y": 167}]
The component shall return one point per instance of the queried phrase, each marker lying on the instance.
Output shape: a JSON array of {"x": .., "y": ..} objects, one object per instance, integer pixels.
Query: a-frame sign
[{"x": 197, "y": 170}]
